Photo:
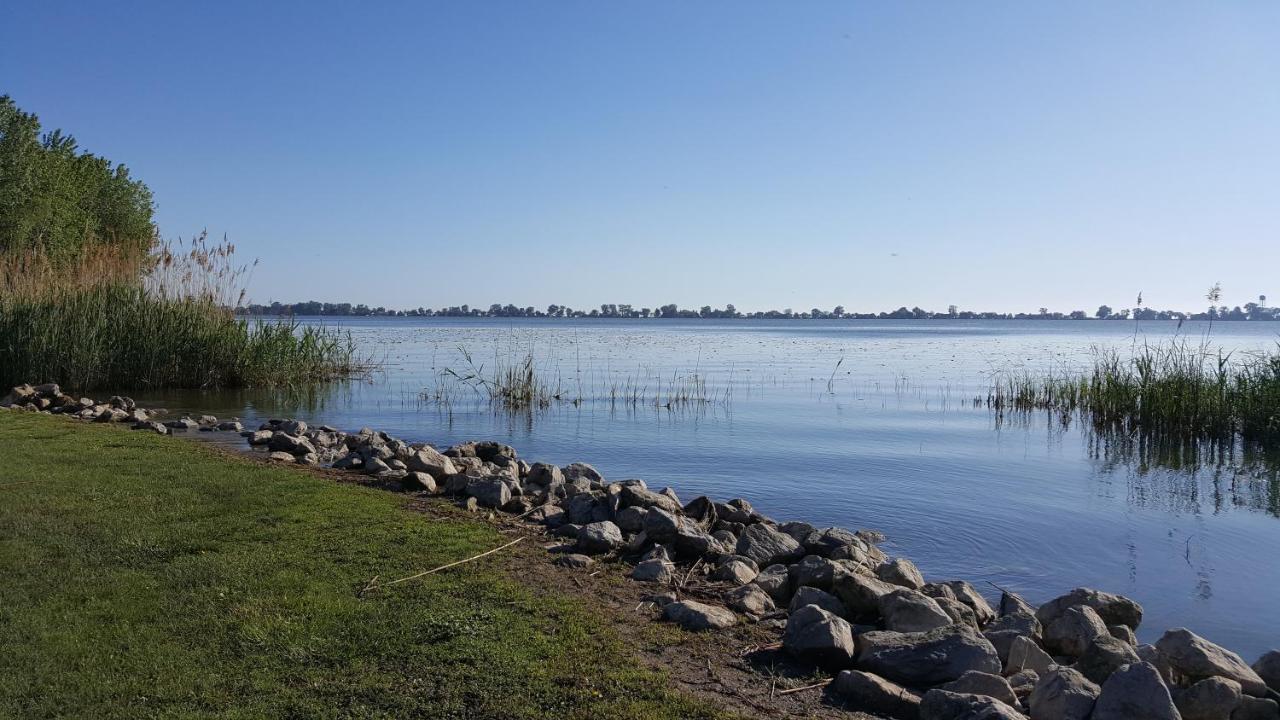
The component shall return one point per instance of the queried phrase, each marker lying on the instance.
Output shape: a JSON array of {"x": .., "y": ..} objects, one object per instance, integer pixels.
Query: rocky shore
[{"x": 895, "y": 644}]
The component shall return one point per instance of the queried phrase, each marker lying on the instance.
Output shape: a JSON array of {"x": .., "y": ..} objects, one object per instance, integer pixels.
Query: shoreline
[{"x": 849, "y": 609}]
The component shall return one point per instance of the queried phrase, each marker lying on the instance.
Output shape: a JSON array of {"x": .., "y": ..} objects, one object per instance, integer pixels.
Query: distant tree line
[{"x": 1250, "y": 311}]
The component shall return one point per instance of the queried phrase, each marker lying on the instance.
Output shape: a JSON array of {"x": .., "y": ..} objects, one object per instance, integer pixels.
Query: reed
[
  {"x": 1175, "y": 388},
  {"x": 165, "y": 320}
]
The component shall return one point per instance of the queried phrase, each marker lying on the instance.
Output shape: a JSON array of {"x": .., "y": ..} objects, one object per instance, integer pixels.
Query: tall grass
[
  {"x": 164, "y": 321},
  {"x": 1175, "y": 388}
]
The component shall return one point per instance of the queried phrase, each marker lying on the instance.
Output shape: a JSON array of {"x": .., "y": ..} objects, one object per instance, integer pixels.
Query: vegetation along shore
[{"x": 871, "y": 631}]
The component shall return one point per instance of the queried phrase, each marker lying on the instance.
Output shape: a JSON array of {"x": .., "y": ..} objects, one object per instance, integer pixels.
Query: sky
[{"x": 994, "y": 155}]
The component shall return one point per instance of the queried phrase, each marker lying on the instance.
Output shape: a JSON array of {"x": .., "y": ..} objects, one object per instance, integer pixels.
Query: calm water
[{"x": 888, "y": 439}]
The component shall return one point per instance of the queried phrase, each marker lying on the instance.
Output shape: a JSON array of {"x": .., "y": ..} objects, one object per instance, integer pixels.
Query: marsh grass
[
  {"x": 1177, "y": 389},
  {"x": 164, "y": 321}
]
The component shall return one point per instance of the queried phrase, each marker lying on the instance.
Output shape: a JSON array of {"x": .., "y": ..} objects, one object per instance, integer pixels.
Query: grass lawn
[{"x": 142, "y": 576}]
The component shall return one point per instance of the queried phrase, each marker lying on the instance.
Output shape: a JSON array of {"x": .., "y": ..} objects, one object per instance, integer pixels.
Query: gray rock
[
  {"x": 574, "y": 560},
  {"x": 906, "y": 610},
  {"x": 292, "y": 444},
  {"x": 697, "y": 617},
  {"x": 545, "y": 474},
  {"x": 1195, "y": 658},
  {"x": 818, "y": 636},
  {"x": 657, "y": 571},
  {"x": 1113, "y": 609},
  {"x": 584, "y": 471},
  {"x": 638, "y": 496},
  {"x": 750, "y": 600},
  {"x": 586, "y": 508},
  {"x": 278, "y": 456},
  {"x": 798, "y": 530},
  {"x": 1268, "y": 668},
  {"x": 966, "y": 594},
  {"x": 939, "y": 704},
  {"x": 350, "y": 461},
  {"x": 926, "y": 658},
  {"x": 775, "y": 581},
  {"x": 1124, "y": 634},
  {"x": 734, "y": 571},
  {"x": 493, "y": 492},
  {"x": 1072, "y": 631},
  {"x": 901, "y": 571},
  {"x": 1210, "y": 699},
  {"x": 185, "y": 423},
  {"x": 1104, "y": 656},
  {"x": 860, "y": 593},
  {"x": 599, "y": 537},
  {"x": 224, "y": 426},
  {"x": 766, "y": 545},
  {"x": 662, "y": 526},
  {"x": 813, "y": 596},
  {"x": 631, "y": 519},
  {"x": 1005, "y": 628},
  {"x": 813, "y": 571},
  {"x": 419, "y": 482},
  {"x": 428, "y": 460},
  {"x": 827, "y": 540},
  {"x": 737, "y": 510},
  {"x": 980, "y": 683},
  {"x": 1252, "y": 708},
  {"x": 1063, "y": 694},
  {"x": 1135, "y": 692},
  {"x": 1025, "y": 654},
  {"x": 959, "y": 612},
  {"x": 872, "y": 693},
  {"x": 550, "y": 515},
  {"x": 1012, "y": 603}
]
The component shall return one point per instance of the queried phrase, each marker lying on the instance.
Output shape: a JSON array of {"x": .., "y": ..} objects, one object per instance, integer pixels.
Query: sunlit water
[{"x": 888, "y": 439}]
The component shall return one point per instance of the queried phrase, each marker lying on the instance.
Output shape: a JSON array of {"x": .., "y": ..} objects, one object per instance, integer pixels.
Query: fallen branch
[
  {"x": 806, "y": 687},
  {"x": 375, "y": 585}
]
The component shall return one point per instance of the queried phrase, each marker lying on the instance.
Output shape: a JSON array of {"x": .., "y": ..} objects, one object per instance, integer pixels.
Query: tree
[
  {"x": 952, "y": 310},
  {"x": 1104, "y": 312}
]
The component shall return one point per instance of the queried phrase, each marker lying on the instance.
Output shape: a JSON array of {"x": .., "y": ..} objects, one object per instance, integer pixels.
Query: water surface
[{"x": 859, "y": 424}]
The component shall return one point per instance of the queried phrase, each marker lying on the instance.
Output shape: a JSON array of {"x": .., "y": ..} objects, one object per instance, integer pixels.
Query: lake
[{"x": 859, "y": 424}]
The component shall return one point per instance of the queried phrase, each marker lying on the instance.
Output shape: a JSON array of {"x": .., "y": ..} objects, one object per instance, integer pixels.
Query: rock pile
[
  {"x": 50, "y": 400},
  {"x": 898, "y": 646}
]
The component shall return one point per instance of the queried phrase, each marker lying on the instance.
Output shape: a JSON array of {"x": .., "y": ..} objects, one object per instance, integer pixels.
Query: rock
[
  {"x": 872, "y": 693},
  {"x": 419, "y": 482},
  {"x": 690, "y": 542},
  {"x": 818, "y": 636},
  {"x": 1149, "y": 653},
  {"x": 1005, "y": 628},
  {"x": 813, "y": 571},
  {"x": 662, "y": 526},
  {"x": 294, "y": 427},
  {"x": 278, "y": 456},
  {"x": 766, "y": 545},
  {"x": 737, "y": 510},
  {"x": 960, "y": 613},
  {"x": 599, "y": 537},
  {"x": 799, "y": 531},
  {"x": 260, "y": 437},
  {"x": 980, "y": 683},
  {"x": 906, "y": 610},
  {"x": 1103, "y": 657},
  {"x": 550, "y": 515},
  {"x": 1025, "y": 654},
  {"x": 636, "y": 495},
  {"x": 813, "y": 596},
  {"x": 775, "y": 581},
  {"x": 1063, "y": 694},
  {"x": 926, "y": 658},
  {"x": 901, "y": 571},
  {"x": 1023, "y": 682},
  {"x": 1268, "y": 668},
  {"x": 966, "y": 594},
  {"x": 185, "y": 423},
  {"x": 734, "y": 571},
  {"x": 631, "y": 519},
  {"x": 1113, "y": 609},
  {"x": 224, "y": 426},
  {"x": 698, "y": 617},
  {"x": 1124, "y": 634},
  {"x": 1012, "y": 603},
  {"x": 584, "y": 471},
  {"x": 939, "y": 704},
  {"x": 827, "y": 540},
  {"x": 47, "y": 390},
  {"x": 1210, "y": 699},
  {"x": 860, "y": 593},
  {"x": 750, "y": 600},
  {"x": 1196, "y": 659},
  {"x": 1071, "y": 631},
  {"x": 307, "y": 459},
  {"x": 154, "y": 427},
  {"x": 494, "y": 492},
  {"x": 350, "y": 461},
  {"x": 292, "y": 444},
  {"x": 658, "y": 571},
  {"x": 427, "y": 459},
  {"x": 575, "y": 560},
  {"x": 585, "y": 508},
  {"x": 1135, "y": 692},
  {"x": 1252, "y": 708}
]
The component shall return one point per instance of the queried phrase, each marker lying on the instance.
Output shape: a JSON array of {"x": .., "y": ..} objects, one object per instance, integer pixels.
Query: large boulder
[
  {"x": 545, "y": 474},
  {"x": 1002, "y": 631},
  {"x": 1252, "y": 708},
  {"x": 767, "y": 545},
  {"x": 820, "y": 637},
  {"x": 1135, "y": 692},
  {"x": 1210, "y": 699},
  {"x": 1103, "y": 657},
  {"x": 430, "y": 461},
  {"x": 872, "y": 693},
  {"x": 775, "y": 580},
  {"x": 655, "y": 570},
  {"x": 901, "y": 571},
  {"x": 1113, "y": 609},
  {"x": 1071, "y": 632},
  {"x": 980, "y": 683},
  {"x": 939, "y": 704},
  {"x": 599, "y": 537},
  {"x": 906, "y": 610},
  {"x": 749, "y": 600},
  {"x": 814, "y": 571},
  {"x": 574, "y": 471},
  {"x": 860, "y": 593},
  {"x": 1268, "y": 668},
  {"x": 697, "y": 616},
  {"x": 1195, "y": 658},
  {"x": 926, "y": 658},
  {"x": 636, "y": 495},
  {"x": 965, "y": 593},
  {"x": 813, "y": 596},
  {"x": 735, "y": 571},
  {"x": 493, "y": 492},
  {"x": 1025, "y": 654},
  {"x": 1063, "y": 694}
]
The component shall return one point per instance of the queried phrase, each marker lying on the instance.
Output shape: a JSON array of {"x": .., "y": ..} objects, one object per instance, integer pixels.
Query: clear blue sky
[{"x": 994, "y": 155}]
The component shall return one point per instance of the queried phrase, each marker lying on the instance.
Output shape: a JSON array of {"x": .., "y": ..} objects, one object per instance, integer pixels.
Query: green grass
[
  {"x": 144, "y": 576},
  {"x": 121, "y": 336},
  {"x": 1174, "y": 389}
]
